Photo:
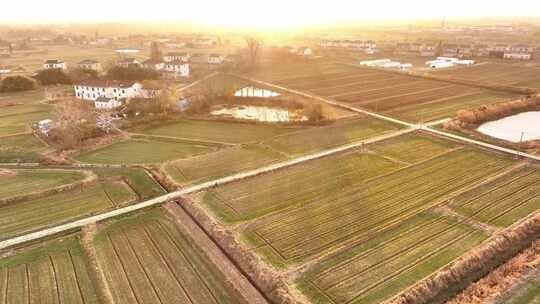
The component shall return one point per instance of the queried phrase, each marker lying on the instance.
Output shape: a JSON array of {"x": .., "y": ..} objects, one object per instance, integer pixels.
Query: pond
[
  {"x": 264, "y": 114},
  {"x": 512, "y": 127},
  {"x": 255, "y": 92}
]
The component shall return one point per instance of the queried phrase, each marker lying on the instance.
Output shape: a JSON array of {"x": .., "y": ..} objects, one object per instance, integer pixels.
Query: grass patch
[
  {"x": 141, "y": 150},
  {"x": 21, "y": 148},
  {"x": 141, "y": 181}
]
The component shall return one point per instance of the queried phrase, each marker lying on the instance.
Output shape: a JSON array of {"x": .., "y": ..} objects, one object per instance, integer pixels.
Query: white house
[
  {"x": 54, "y": 64},
  {"x": 93, "y": 89},
  {"x": 177, "y": 68},
  {"x": 175, "y": 56},
  {"x": 106, "y": 103},
  {"x": 153, "y": 65},
  {"x": 305, "y": 51},
  {"x": 4, "y": 70},
  {"x": 215, "y": 59},
  {"x": 45, "y": 125},
  {"x": 518, "y": 56},
  {"x": 129, "y": 62},
  {"x": 90, "y": 65}
]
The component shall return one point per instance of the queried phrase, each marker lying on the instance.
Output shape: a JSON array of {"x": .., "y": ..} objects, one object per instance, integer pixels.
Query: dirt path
[{"x": 216, "y": 256}]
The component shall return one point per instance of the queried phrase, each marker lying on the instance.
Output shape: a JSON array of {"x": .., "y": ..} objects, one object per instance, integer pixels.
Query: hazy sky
[{"x": 271, "y": 13}]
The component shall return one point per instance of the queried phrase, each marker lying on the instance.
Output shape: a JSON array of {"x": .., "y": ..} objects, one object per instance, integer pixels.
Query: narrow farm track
[{"x": 193, "y": 189}]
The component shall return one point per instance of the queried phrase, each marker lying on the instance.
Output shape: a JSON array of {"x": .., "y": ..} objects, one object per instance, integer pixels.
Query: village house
[
  {"x": 481, "y": 50},
  {"x": 175, "y": 56},
  {"x": 450, "y": 50},
  {"x": 519, "y": 52},
  {"x": 198, "y": 58},
  {"x": 129, "y": 62},
  {"x": 107, "y": 103},
  {"x": 428, "y": 50},
  {"x": 153, "y": 65},
  {"x": 215, "y": 59},
  {"x": 465, "y": 50},
  {"x": 93, "y": 89},
  {"x": 176, "y": 69},
  {"x": 4, "y": 70},
  {"x": 54, "y": 64},
  {"x": 90, "y": 65}
]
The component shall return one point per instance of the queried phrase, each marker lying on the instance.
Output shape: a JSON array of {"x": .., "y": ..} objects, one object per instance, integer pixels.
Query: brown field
[
  {"x": 391, "y": 93},
  {"x": 497, "y": 74}
]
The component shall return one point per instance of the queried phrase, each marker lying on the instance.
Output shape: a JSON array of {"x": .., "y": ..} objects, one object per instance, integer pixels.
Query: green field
[
  {"x": 529, "y": 293},
  {"x": 26, "y": 181},
  {"x": 21, "y": 148},
  {"x": 146, "y": 259},
  {"x": 448, "y": 108},
  {"x": 143, "y": 150},
  {"x": 339, "y": 133},
  {"x": 220, "y": 163},
  {"x": 504, "y": 200},
  {"x": 215, "y": 131},
  {"x": 354, "y": 214},
  {"x": 387, "y": 264},
  {"x": 28, "y": 215},
  {"x": 18, "y": 118},
  {"x": 27, "y": 97},
  {"x": 52, "y": 273}
]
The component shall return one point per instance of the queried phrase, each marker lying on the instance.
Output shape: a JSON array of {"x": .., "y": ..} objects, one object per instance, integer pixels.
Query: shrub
[
  {"x": 132, "y": 74},
  {"x": 17, "y": 84},
  {"x": 52, "y": 77}
]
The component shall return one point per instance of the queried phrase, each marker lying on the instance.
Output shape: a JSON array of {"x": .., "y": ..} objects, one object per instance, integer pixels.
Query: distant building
[
  {"x": 215, "y": 59},
  {"x": 129, "y": 62},
  {"x": 153, "y": 65},
  {"x": 44, "y": 126},
  {"x": 176, "y": 56},
  {"x": 519, "y": 52},
  {"x": 305, "y": 51},
  {"x": 90, "y": 65},
  {"x": 4, "y": 70},
  {"x": 54, "y": 64},
  {"x": 177, "y": 69},
  {"x": 517, "y": 56},
  {"x": 198, "y": 58}
]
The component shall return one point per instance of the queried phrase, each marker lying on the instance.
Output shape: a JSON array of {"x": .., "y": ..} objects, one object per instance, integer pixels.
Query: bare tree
[{"x": 253, "y": 48}]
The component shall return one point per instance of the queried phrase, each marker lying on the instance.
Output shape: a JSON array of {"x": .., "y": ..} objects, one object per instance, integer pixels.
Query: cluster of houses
[
  {"x": 519, "y": 52},
  {"x": 367, "y": 45},
  {"x": 108, "y": 94}
]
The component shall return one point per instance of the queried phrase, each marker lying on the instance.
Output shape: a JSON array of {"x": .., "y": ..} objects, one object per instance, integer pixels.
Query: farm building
[
  {"x": 519, "y": 52},
  {"x": 255, "y": 92},
  {"x": 93, "y": 89},
  {"x": 90, "y": 65},
  {"x": 215, "y": 59},
  {"x": 129, "y": 62},
  {"x": 54, "y": 64},
  {"x": 438, "y": 64},
  {"x": 4, "y": 70},
  {"x": 518, "y": 56},
  {"x": 153, "y": 65},
  {"x": 175, "y": 56},
  {"x": 177, "y": 69},
  {"x": 44, "y": 126}
]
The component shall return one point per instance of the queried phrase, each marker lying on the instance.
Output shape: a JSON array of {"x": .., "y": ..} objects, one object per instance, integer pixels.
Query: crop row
[{"x": 356, "y": 213}]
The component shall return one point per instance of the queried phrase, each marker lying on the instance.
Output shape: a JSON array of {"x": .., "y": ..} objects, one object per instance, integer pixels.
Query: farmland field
[
  {"x": 22, "y": 182},
  {"x": 52, "y": 273},
  {"x": 387, "y": 264},
  {"x": 21, "y": 148},
  {"x": 354, "y": 214},
  {"x": 147, "y": 259},
  {"x": 8, "y": 99},
  {"x": 504, "y": 200},
  {"x": 24, "y": 216},
  {"x": 395, "y": 94},
  {"x": 220, "y": 163},
  {"x": 339, "y": 133},
  {"x": 18, "y": 118},
  {"x": 528, "y": 293},
  {"x": 138, "y": 179},
  {"x": 214, "y": 131},
  {"x": 497, "y": 74},
  {"x": 143, "y": 150}
]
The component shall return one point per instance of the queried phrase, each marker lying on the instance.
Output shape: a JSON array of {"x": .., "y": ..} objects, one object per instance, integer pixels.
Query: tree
[
  {"x": 78, "y": 74},
  {"x": 53, "y": 76},
  {"x": 253, "y": 48},
  {"x": 132, "y": 74},
  {"x": 76, "y": 122},
  {"x": 17, "y": 84},
  {"x": 155, "y": 52}
]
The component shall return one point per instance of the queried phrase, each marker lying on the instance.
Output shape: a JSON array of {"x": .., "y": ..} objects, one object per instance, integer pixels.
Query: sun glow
[{"x": 259, "y": 14}]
